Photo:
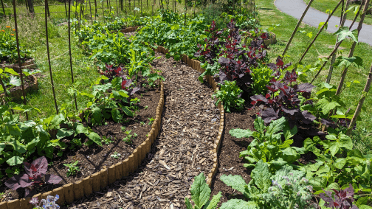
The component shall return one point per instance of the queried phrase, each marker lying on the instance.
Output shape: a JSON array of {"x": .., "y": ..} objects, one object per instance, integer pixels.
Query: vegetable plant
[
  {"x": 8, "y": 46},
  {"x": 35, "y": 176},
  {"x": 200, "y": 195},
  {"x": 267, "y": 144},
  {"x": 48, "y": 203},
  {"x": 286, "y": 189},
  {"x": 229, "y": 93},
  {"x": 72, "y": 168},
  {"x": 342, "y": 199}
]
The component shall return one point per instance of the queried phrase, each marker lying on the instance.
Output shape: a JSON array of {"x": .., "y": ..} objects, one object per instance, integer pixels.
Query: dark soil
[
  {"x": 228, "y": 158},
  {"x": 94, "y": 158}
]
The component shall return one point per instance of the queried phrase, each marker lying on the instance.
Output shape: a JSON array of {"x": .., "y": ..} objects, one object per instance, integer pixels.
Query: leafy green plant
[
  {"x": 72, "y": 168},
  {"x": 107, "y": 140},
  {"x": 200, "y": 195},
  {"x": 229, "y": 93},
  {"x": 209, "y": 70},
  {"x": 151, "y": 120},
  {"x": 128, "y": 139},
  {"x": 104, "y": 105},
  {"x": 268, "y": 145},
  {"x": 261, "y": 78},
  {"x": 286, "y": 189},
  {"x": 116, "y": 155}
]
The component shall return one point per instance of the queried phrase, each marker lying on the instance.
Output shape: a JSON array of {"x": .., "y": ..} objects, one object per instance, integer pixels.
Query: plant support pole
[
  {"x": 69, "y": 47},
  {"x": 50, "y": 67},
  {"x": 19, "y": 55},
  {"x": 334, "y": 51},
  {"x": 321, "y": 29},
  {"x": 360, "y": 104},
  {"x": 351, "y": 53},
  {"x": 298, "y": 25},
  {"x": 342, "y": 23}
]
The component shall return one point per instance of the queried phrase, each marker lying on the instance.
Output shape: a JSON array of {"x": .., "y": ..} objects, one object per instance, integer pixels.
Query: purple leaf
[
  {"x": 134, "y": 90},
  {"x": 37, "y": 167},
  {"x": 269, "y": 114},
  {"x": 18, "y": 181},
  {"x": 259, "y": 98},
  {"x": 305, "y": 87},
  {"x": 52, "y": 179}
]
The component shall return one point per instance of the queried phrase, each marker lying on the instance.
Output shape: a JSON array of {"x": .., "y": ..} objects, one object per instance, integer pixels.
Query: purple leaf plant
[
  {"x": 342, "y": 199},
  {"x": 35, "y": 176}
]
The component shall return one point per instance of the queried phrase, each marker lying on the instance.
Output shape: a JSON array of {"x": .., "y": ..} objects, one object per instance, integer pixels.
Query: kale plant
[
  {"x": 267, "y": 144},
  {"x": 200, "y": 195},
  {"x": 229, "y": 94},
  {"x": 35, "y": 176}
]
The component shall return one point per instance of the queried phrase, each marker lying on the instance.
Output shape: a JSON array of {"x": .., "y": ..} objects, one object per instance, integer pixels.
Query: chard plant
[{"x": 35, "y": 176}]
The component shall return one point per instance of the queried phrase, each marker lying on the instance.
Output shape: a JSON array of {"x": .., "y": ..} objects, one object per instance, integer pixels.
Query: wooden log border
[{"x": 97, "y": 181}]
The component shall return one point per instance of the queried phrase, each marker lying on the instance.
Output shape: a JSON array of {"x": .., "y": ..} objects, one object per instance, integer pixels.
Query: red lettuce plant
[{"x": 35, "y": 176}]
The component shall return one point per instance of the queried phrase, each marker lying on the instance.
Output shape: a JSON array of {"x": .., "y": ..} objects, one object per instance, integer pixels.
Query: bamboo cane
[
  {"x": 321, "y": 29},
  {"x": 360, "y": 104},
  {"x": 296, "y": 28},
  {"x": 344, "y": 72}
]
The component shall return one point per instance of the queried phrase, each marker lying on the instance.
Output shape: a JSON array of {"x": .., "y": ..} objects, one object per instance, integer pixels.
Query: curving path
[{"x": 313, "y": 17}]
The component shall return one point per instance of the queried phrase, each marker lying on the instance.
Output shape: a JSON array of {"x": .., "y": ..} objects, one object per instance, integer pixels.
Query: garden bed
[
  {"x": 30, "y": 83},
  {"x": 93, "y": 159},
  {"x": 27, "y": 64}
]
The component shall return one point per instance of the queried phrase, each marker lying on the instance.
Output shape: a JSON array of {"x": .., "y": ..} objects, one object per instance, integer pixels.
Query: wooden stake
[
  {"x": 69, "y": 47},
  {"x": 296, "y": 28},
  {"x": 360, "y": 25},
  {"x": 50, "y": 67},
  {"x": 321, "y": 29},
  {"x": 19, "y": 55},
  {"x": 361, "y": 101}
]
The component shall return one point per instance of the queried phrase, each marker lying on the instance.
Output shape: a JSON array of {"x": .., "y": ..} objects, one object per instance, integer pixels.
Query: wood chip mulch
[{"x": 190, "y": 123}]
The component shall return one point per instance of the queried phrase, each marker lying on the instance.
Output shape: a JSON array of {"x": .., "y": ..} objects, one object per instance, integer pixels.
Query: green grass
[
  {"x": 325, "y": 5},
  {"x": 270, "y": 16}
]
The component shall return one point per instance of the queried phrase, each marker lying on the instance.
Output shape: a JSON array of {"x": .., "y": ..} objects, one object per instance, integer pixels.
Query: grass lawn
[
  {"x": 285, "y": 24},
  {"x": 324, "y": 5}
]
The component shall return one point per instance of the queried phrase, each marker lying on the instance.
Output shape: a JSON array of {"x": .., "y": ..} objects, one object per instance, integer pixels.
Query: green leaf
[
  {"x": 239, "y": 204},
  {"x": 19, "y": 147},
  {"x": 116, "y": 116},
  {"x": 81, "y": 129},
  {"x": 261, "y": 176},
  {"x": 215, "y": 200},
  {"x": 236, "y": 182},
  {"x": 11, "y": 71},
  {"x": 344, "y": 32},
  {"x": 15, "y": 160},
  {"x": 64, "y": 132},
  {"x": 95, "y": 138},
  {"x": 2, "y": 146},
  {"x": 188, "y": 203},
  {"x": 365, "y": 207},
  {"x": 340, "y": 163},
  {"x": 348, "y": 61},
  {"x": 200, "y": 192},
  {"x": 127, "y": 111},
  {"x": 14, "y": 81},
  {"x": 240, "y": 133}
]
